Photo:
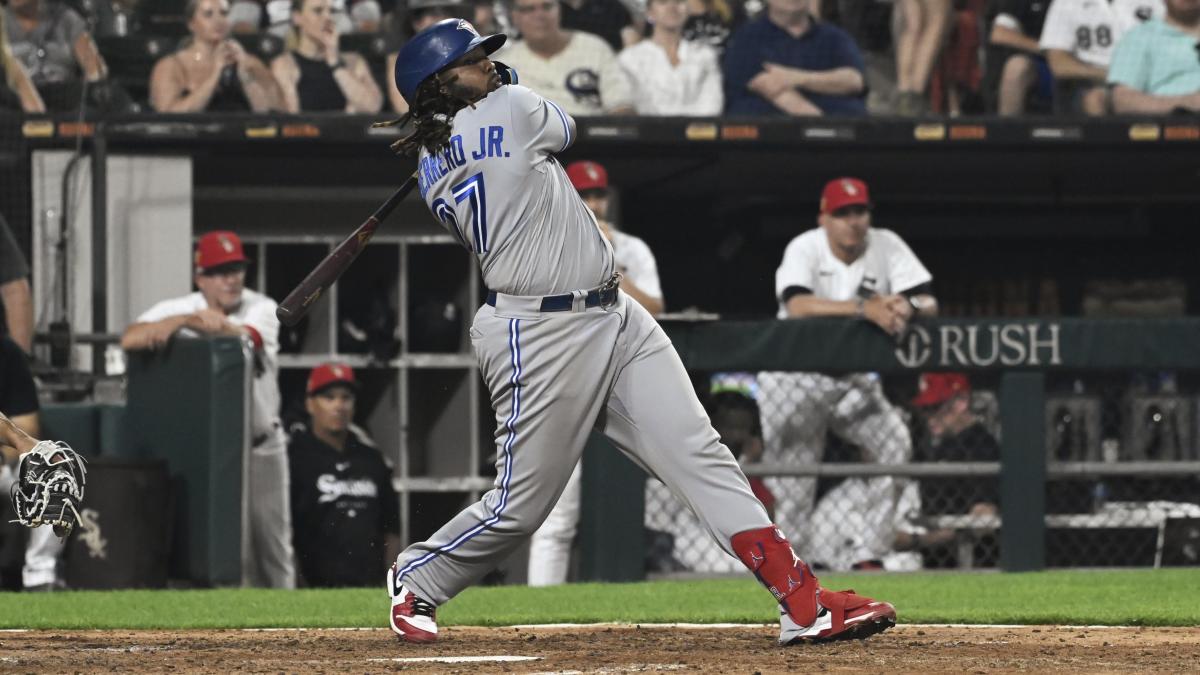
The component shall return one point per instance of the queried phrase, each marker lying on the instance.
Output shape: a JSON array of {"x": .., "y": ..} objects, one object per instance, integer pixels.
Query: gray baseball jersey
[
  {"x": 498, "y": 188},
  {"x": 554, "y": 376}
]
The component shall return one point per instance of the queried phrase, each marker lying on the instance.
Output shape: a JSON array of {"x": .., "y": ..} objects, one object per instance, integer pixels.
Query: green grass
[{"x": 1135, "y": 597}]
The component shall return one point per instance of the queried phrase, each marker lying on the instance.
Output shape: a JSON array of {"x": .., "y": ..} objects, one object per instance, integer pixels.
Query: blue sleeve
[
  {"x": 742, "y": 62},
  {"x": 845, "y": 52}
]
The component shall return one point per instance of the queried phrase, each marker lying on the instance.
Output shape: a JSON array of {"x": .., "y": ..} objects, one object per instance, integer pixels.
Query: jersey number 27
[{"x": 471, "y": 191}]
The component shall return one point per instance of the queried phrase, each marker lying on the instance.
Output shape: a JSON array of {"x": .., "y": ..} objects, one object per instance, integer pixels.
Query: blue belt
[{"x": 562, "y": 303}]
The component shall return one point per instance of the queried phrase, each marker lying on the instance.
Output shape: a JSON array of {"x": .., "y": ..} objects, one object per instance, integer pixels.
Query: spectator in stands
[
  {"x": 1014, "y": 62},
  {"x": 610, "y": 20},
  {"x": 1078, "y": 39},
  {"x": 211, "y": 72},
  {"x": 345, "y": 514},
  {"x": 15, "y": 292},
  {"x": 315, "y": 75},
  {"x": 575, "y": 69},
  {"x": 367, "y": 16},
  {"x": 671, "y": 75},
  {"x": 18, "y": 397},
  {"x": 16, "y": 90},
  {"x": 550, "y": 547},
  {"x": 787, "y": 61},
  {"x": 421, "y": 14},
  {"x": 958, "y": 71},
  {"x": 956, "y": 434},
  {"x": 363, "y": 16},
  {"x": 1156, "y": 66},
  {"x": 711, "y": 22},
  {"x": 486, "y": 19},
  {"x": 843, "y": 268},
  {"x": 52, "y": 42},
  {"x": 225, "y": 307},
  {"x": 922, "y": 28}
]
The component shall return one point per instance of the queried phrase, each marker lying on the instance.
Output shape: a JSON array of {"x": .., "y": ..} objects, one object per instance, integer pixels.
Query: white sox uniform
[
  {"x": 582, "y": 79},
  {"x": 270, "y": 508},
  {"x": 550, "y": 546},
  {"x": 798, "y": 409},
  {"x": 1089, "y": 29},
  {"x": 559, "y": 353}
]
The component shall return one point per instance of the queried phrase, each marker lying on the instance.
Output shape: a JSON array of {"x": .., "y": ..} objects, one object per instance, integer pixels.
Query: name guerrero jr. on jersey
[{"x": 434, "y": 167}]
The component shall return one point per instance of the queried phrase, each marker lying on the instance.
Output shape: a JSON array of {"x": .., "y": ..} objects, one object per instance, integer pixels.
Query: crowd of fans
[{"x": 595, "y": 57}]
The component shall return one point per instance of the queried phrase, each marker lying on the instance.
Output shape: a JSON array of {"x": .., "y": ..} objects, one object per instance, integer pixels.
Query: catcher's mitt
[{"x": 49, "y": 487}]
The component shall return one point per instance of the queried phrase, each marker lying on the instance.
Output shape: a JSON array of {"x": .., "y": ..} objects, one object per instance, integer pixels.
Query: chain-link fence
[{"x": 905, "y": 474}]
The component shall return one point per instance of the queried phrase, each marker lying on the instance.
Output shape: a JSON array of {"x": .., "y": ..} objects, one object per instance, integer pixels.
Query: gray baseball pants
[{"x": 553, "y": 377}]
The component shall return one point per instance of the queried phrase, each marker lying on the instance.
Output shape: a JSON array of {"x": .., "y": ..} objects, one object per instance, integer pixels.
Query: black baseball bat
[{"x": 297, "y": 303}]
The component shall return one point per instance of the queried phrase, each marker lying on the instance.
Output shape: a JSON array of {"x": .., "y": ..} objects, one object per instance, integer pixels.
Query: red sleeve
[
  {"x": 255, "y": 337},
  {"x": 760, "y": 490}
]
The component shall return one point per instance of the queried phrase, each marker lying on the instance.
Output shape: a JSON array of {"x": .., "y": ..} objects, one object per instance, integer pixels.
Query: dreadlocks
[{"x": 432, "y": 114}]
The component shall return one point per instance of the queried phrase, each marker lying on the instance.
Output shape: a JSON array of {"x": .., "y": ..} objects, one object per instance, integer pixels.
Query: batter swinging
[{"x": 562, "y": 350}]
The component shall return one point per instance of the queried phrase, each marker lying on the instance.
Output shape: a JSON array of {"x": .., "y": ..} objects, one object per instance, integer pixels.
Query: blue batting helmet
[{"x": 435, "y": 48}]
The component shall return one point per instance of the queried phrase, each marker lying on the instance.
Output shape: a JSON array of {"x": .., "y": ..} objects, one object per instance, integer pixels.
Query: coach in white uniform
[
  {"x": 550, "y": 546},
  {"x": 223, "y": 306},
  {"x": 846, "y": 268},
  {"x": 1078, "y": 38}
]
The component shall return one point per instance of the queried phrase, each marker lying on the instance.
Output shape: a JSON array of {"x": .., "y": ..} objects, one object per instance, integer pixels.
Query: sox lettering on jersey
[
  {"x": 955, "y": 346},
  {"x": 333, "y": 488}
]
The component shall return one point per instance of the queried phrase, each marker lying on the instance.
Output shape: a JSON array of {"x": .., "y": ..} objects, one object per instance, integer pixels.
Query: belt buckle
[{"x": 608, "y": 291}]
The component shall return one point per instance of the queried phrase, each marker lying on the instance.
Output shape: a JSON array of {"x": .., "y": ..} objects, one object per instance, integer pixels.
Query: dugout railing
[{"x": 1110, "y": 500}]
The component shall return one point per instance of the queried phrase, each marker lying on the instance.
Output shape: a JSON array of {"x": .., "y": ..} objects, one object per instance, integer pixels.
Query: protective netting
[{"x": 867, "y": 476}]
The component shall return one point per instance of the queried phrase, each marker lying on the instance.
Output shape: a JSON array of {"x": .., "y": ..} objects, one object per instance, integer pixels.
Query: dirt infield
[{"x": 615, "y": 649}]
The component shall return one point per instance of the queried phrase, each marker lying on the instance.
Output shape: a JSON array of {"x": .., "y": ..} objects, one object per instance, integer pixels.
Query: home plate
[{"x": 458, "y": 659}]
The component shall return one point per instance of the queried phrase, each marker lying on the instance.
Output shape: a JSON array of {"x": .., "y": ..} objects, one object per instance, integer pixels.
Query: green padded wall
[{"x": 186, "y": 405}]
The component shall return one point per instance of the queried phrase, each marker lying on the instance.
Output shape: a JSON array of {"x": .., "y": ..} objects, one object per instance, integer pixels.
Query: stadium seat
[
  {"x": 131, "y": 58},
  {"x": 160, "y": 17},
  {"x": 374, "y": 47},
  {"x": 263, "y": 45}
]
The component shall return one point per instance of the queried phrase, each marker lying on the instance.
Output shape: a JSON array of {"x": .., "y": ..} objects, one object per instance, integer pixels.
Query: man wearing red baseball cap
[
  {"x": 842, "y": 268},
  {"x": 635, "y": 261},
  {"x": 956, "y": 434},
  {"x": 345, "y": 512},
  {"x": 550, "y": 546},
  {"x": 222, "y": 305}
]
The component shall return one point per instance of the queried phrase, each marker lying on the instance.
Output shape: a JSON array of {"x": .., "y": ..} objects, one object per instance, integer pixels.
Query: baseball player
[
  {"x": 224, "y": 306},
  {"x": 1078, "y": 38},
  {"x": 847, "y": 268},
  {"x": 562, "y": 350},
  {"x": 344, "y": 510},
  {"x": 550, "y": 546}
]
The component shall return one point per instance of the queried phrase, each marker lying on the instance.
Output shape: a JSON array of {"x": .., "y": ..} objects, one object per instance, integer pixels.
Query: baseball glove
[{"x": 49, "y": 487}]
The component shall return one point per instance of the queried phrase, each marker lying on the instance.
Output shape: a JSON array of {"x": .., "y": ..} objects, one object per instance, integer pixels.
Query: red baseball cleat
[
  {"x": 412, "y": 619},
  {"x": 841, "y": 615},
  {"x": 807, "y": 612}
]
